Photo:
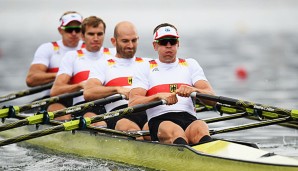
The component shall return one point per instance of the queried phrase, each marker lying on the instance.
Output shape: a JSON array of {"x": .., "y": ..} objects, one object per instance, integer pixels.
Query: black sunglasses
[
  {"x": 165, "y": 41},
  {"x": 70, "y": 29}
]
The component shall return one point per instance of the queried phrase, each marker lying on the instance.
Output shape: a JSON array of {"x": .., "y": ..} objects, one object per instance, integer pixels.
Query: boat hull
[
  {"x": 142, "y": 153},
  {"x": 154, "y": 155}
]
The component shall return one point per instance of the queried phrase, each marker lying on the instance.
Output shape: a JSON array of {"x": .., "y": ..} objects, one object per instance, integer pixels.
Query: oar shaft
[
  {"x": 224, "y": 118},
  {"x": 125, "y": 111},
  {"x": 248, "y": 105},
  {"x": 32, "y": 135},
  {"x": 12, "y": 111},
  {"x": 129, "y": 134},
  {"x": 49, "y": 100},
  {"x": 87, "y": 105},
  {"x": 13, "y": 125},
  {"x": 25, "y": 92},
  {"x": 251, "y": 125}
]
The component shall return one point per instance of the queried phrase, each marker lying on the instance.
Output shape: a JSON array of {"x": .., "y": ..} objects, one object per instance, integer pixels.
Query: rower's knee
[
  {"x": 126, "y": 125},
  {"x": 168, "y": 132},
  {"x": 55, "y": 107},
  {"x": 196, "y": 131}
]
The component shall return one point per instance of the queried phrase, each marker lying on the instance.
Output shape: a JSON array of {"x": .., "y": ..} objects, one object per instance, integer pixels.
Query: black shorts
[
  {"x": 97, "y": 109},
  {"x": 183, "y": 119},
  {"x": 140, "y": 118}
]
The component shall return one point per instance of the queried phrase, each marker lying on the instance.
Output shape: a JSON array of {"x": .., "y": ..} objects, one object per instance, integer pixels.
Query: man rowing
[
  {"x": 75, "y": 65},
  {"x": 45, "y": 64},
  {"x": 113, "y": 76},
  {"x": 172, "y": 79}
]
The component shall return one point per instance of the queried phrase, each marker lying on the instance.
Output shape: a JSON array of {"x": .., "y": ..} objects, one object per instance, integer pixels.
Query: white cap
[
  {"x": 165, "y": 31},
  {"x": 65, "y": 19}
]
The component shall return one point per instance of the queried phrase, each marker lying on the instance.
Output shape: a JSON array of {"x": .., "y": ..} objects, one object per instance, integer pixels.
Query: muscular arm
[
  {"x": 38, "y": 75},
  {"x": 62, "y": 85},
  {"x": 95, "y": 90},
  {"x": 138, "y": 96}
]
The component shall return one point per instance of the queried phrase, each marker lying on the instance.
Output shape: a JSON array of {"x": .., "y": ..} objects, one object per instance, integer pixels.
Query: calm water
[{"x": 259, "y": 37}]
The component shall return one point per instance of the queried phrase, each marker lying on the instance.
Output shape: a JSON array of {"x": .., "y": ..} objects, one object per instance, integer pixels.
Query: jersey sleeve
[
  {"x": 66, "y": 65},
  {"x": 141, "y": 75},
  {"x": 196, "y": 71},
  {"x": 43, "y": 54}
]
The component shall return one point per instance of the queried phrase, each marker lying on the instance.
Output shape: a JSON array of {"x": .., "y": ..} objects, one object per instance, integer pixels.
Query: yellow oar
[
  {"x": 23, "y": 93},
  {"x": 259, "y": 110},
  {"x": 237, "y": 112},
  {"x": 81, "y": 123},
  {"x": 45, "y": 117}
]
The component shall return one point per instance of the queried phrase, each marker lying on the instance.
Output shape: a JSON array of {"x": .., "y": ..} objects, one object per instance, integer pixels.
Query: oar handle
[
  {"x": 49, "y": 100},
  {"x": 22, "y": 93},
  {"x": 132, "y": 109},
  {"x": 82, "y": 107},
  {"x": 40, "y": 88}
]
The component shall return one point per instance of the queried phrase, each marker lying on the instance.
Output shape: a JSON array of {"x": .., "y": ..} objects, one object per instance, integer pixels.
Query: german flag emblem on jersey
[
  {"x": 80, "y": 53},
  {"x": 106, "y": 51},
  {"x": 129, "y": 80},
  {"x": 153, "y": 64},
  {"x": 56, "y": 46},
  {"x": 183, "y": 62},
  {"x": 173, "y": 87},
  {"x": 111, "y": 62},
  {"x": 138, "y": 59}
]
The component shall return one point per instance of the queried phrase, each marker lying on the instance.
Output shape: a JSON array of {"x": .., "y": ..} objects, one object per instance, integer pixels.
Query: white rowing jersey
[
  {"x": 116, "y": 71},
  {"x": 155, "y": 77},
  {"x": 77, "y": 64},
  {"x": 50, "y": 55}
]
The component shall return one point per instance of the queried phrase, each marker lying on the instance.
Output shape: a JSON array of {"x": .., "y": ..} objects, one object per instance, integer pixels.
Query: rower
[
  {"x": 113, "y": 76},
  {"x": 75, "y": 65},
  {"x": 45, "y": 64},
  {"x": 172, "y": 79}
]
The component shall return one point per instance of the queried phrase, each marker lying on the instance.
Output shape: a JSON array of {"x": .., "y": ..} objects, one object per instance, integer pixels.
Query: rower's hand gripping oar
[
  {"x": 12, "y": 111},
  {"x": 81, "y": 123},
  {"x": 45, "y": 117},
  {"x": 23, "y": 93},
  {"x": 250, "y": 107}
]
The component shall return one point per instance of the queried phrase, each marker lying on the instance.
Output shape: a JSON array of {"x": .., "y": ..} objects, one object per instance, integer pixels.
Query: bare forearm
[
  {"x": 138, "y": 99},
  {"x": 36, "y": 79},
  {"x": 209, "y": 92},
  {"x": 61, "y": 89},
  {"x": 99, "y": 92}
]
